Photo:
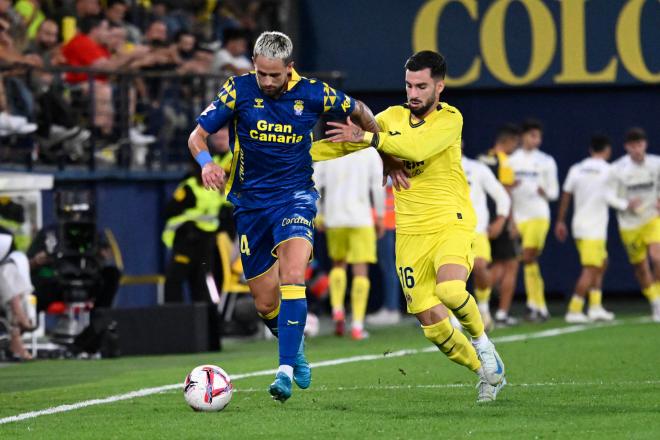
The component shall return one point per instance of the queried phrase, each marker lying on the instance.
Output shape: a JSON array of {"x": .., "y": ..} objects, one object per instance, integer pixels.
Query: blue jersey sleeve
[
  {"x": 336, "y": 102},
  {"x": 220, "y": 111}
]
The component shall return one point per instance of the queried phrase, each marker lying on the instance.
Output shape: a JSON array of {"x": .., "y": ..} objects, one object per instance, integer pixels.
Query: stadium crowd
[{"x": 125, "y": 41}]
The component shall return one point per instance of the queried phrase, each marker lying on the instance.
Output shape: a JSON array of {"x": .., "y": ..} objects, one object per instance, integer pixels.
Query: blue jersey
[{"x": 271, "y": 138}]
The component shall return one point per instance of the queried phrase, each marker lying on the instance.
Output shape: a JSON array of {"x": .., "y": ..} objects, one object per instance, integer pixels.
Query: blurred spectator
[
  {"x": 55, "y": 115},
  {"x": 232, "y": 57},
  {"x": 14, "y": 23},
  {"x": 87, "y": 8},
  {"x": 190, "y": 58},
  {"x": 15, "y": 287},
  {"x": 87, "y": 49},
  {"x": 32, "y": 15},
  {"x": 116, "y": 13},
  {"x": 16, "y": 103}
]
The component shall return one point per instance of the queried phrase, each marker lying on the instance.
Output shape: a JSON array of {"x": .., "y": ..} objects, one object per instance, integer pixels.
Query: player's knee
[
  {"x": 292, "y": 275},
  {"x": 265, "y": 306},
  {"x": 452, "y": 293}
]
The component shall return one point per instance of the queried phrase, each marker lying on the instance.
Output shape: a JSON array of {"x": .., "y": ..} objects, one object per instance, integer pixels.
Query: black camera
[{"x": 77, "y": 265}]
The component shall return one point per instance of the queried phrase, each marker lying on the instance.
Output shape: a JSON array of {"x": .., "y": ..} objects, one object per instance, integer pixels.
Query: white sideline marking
[{"x": 332, "y": 362}]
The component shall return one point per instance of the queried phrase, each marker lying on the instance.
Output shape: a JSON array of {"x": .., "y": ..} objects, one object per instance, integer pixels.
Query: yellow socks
[
  {"x": 454, "y": 296},
  {"x": 452, "y": 343},
  {"x": 359, "y": 299},
  {"x": 651, "y": 292},
  {"x": 337, "y": 289},
  {"x": 534, "y": 286},
  {"x": 576, "y": 304},
  {"x": 595, "y": 298},
  {"x": 483, "y": 295}
]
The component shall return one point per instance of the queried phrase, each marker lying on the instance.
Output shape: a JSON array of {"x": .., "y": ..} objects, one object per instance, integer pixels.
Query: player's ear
[
  {"x": 440, "y": 86},
  {"x": 289, "y": 67}
]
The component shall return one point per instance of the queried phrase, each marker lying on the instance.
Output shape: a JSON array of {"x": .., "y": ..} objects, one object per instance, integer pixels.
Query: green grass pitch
[{"x": 599, "y": 382}]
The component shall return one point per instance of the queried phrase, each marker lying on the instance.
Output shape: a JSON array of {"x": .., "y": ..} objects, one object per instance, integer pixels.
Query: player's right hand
[
  {"x": 634, "y": 205},
  {"x": 561, "y": 231},
  {"x": 213, "y": 177}
]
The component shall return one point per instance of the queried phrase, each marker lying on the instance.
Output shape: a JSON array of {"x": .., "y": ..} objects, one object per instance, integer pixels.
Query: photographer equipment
[{"x": 77, "y": 268}]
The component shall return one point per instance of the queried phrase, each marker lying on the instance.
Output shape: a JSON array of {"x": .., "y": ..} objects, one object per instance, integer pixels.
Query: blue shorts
[{"x": 261, "y": 231}]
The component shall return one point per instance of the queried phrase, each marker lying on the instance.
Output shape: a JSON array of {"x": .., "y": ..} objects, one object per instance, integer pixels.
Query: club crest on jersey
[
  {"x": 298, "y": 107},
  {"x": 258, "y": 103}
]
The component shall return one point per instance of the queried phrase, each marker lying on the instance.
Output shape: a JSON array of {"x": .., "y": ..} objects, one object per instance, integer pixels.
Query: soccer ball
[{"x": 208, "y": 388}]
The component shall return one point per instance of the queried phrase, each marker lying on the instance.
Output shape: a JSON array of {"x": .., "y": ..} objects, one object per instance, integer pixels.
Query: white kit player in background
[
  {"x": 587, "y": 183},
  {"x": 536, "y": 185},
  {"x": 483, "y": 182},
  {"x": 350, "y": 186},
  {"x": 635, "y": 177}
]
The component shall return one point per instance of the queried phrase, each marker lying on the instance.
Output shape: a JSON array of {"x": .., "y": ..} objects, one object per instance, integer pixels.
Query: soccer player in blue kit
[{"x": 271, "y": 113}]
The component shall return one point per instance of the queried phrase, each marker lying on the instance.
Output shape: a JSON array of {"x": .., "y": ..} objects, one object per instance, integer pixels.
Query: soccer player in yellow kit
[{"x": 435, "y": 220}]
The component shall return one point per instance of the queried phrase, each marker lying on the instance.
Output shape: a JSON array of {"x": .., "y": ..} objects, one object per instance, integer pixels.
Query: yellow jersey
[{"x": 439, "y": 193}]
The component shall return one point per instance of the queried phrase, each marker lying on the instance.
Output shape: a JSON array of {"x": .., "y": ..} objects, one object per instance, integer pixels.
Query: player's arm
[
  {"x": 550, "y": 185},
  {"x": 613, "y": 191},
  {"x": 561, "y": 230},
  {"x": 212, "y": 119},
  {"x": 498, "y": 193},
  {"x": 415, "y": 146}
]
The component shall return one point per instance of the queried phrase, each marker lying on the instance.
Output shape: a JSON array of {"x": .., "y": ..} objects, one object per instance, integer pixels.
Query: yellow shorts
[
  {"x": 592, "y": 252},
  {"x": 533, "y": 233},
  {"x": 481, "y": 247},
  {"x": 353, "y": 245},
  {"x": 636, "y": 241},
  {"x": 418, "y": 258}
]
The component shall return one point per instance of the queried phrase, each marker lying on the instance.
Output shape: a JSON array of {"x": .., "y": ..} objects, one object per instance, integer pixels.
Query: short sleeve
[
  {"x": 220, "y": 111},
  {"x": 336, "y": 102},
  {"x": 569, "y": 183}
]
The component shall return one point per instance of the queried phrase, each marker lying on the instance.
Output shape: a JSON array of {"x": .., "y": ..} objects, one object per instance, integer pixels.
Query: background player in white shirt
[
  {"x": 587, "y": 183},
  {"x": 635, "y": 177},
  {"x": 348, "y": 186},
  {"x": 482, "y": 181},
  {"x": 536, "y": 185}
]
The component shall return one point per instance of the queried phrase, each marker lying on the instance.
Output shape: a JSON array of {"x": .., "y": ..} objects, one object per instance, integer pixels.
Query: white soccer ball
[
  {"x": 208, "y": 388},
  {"x": 312, "y": 325}
]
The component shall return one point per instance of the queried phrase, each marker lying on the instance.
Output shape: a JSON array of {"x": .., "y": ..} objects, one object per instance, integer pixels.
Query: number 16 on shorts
[{"x": 406, "y": 276}]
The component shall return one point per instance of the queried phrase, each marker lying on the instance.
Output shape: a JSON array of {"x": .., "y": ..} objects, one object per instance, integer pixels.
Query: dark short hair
[
  {"x": 183, "y": 33},
  {"x": 427, "y": 59},
  {"x": 635, "y": 134},
  {"x": 87, "y": 24},
  {"x": 111, "y": 3},
  {"x": 230, "y": 34},
  {"x": 507, "y": 131},
  {"x": 531, "y": 124},
  {"x": 599, "y": 142}
]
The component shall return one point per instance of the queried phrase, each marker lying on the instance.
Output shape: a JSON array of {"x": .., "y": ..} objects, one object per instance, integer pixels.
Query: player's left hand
[
  {"x": 213, "y": 177},
  {"x": 541, "y": 192},
  {"x": 396, "y": 170},
  {"x": 348, "y": 132}
]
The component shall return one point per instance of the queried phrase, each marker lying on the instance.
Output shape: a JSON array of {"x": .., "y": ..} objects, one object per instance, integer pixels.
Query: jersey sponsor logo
[
  {"x": 258, "y": 103},
  {"x": 299, "y": 107},
  {"x": 523, "y": 173},
  {"x": 276, "y": 133},
  {"x": 643, "y": 186},
  {"x": 415, "y": 168},
  {"x": 297, "y": 220}
]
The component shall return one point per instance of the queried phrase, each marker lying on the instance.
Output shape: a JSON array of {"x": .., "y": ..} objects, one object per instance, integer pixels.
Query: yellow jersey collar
[{"x": 295, "y": 79}]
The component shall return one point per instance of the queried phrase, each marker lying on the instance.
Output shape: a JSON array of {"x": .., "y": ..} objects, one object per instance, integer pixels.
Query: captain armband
[{"x": 371, "y": 138}]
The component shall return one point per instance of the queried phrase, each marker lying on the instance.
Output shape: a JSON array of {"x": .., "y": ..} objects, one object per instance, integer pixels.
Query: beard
[
  {"x": 421, "y": 111},
  {"x": 275, "y": 92}
]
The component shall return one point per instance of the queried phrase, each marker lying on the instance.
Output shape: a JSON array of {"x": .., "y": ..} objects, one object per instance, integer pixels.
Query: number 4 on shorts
[{"x": 245, "y": 248}]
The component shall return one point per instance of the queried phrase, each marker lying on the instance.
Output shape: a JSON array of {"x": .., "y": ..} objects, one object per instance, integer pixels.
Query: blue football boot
[
  {"x": 280, "y": 389},
  {"x": 302, "y": 372}
]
